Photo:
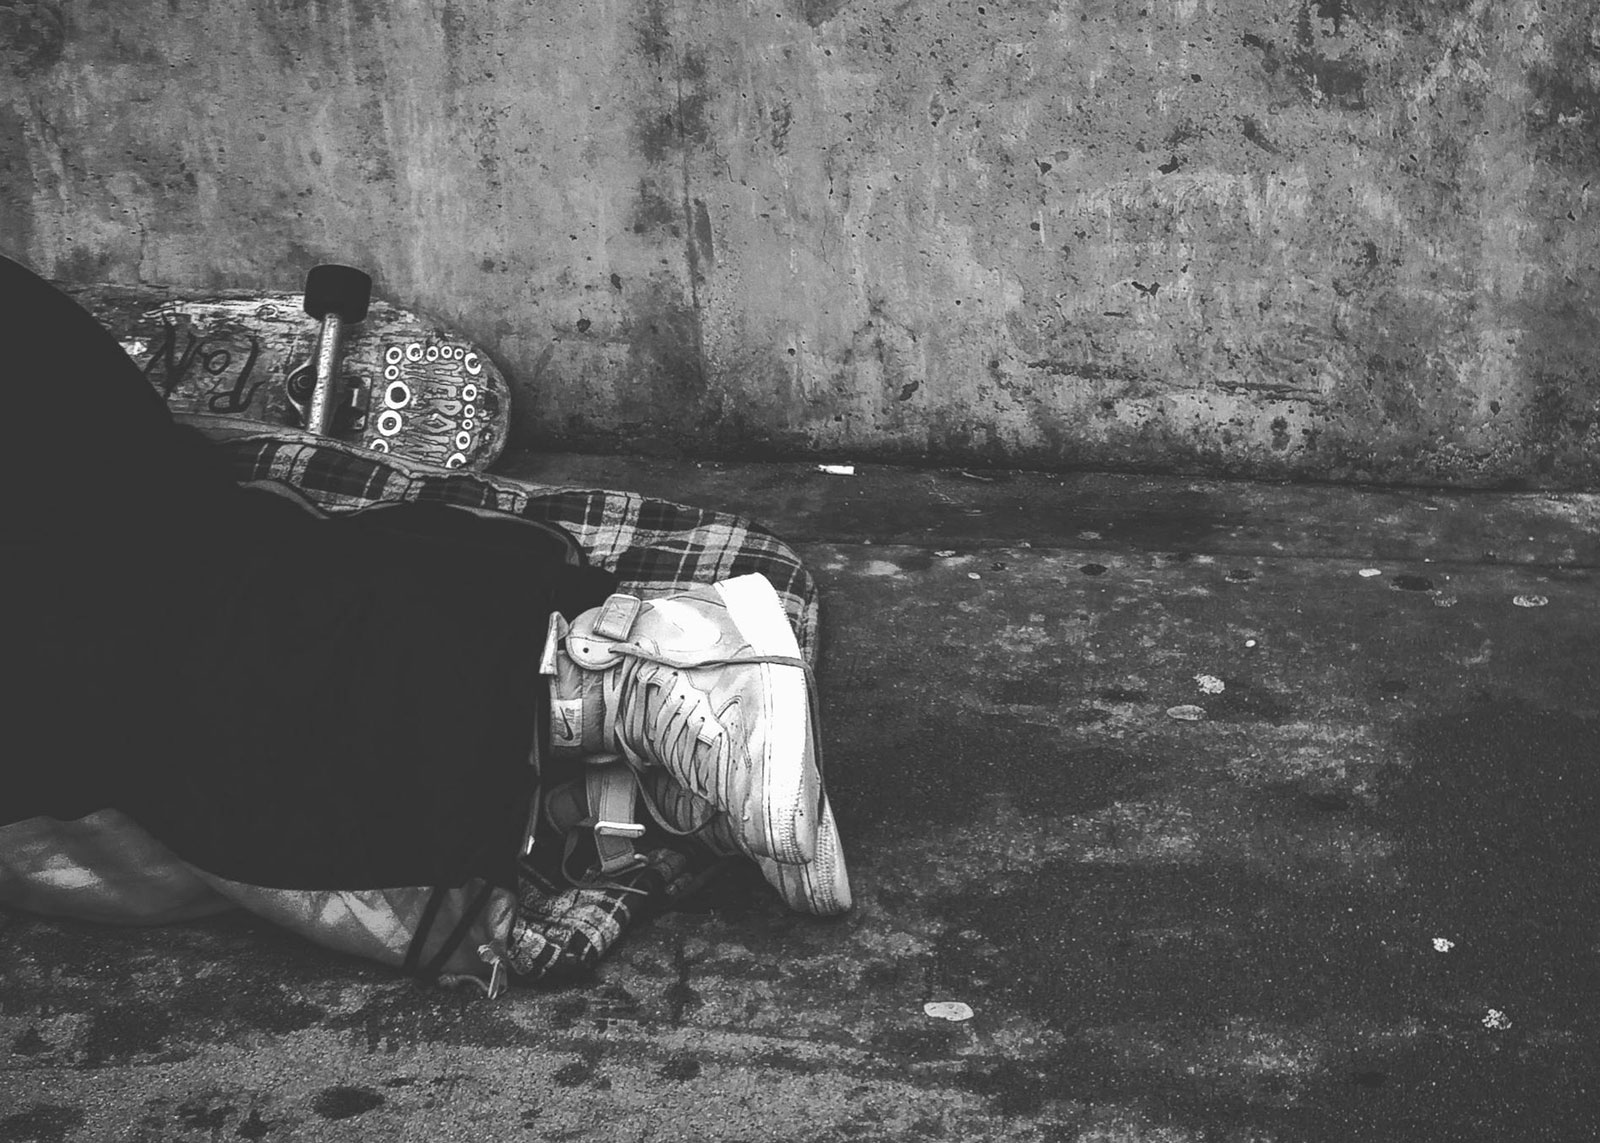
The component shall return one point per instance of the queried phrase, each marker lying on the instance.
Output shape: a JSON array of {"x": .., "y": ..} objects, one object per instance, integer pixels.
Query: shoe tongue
[{"x": 679, "y": 627}]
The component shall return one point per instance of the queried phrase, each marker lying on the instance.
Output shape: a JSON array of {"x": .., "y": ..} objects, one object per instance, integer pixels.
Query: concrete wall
[{"x": 1328, "y": 238}]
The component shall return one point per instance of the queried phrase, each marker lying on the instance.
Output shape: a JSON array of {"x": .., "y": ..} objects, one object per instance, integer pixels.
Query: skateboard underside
[{"x": 226, "y": 361}]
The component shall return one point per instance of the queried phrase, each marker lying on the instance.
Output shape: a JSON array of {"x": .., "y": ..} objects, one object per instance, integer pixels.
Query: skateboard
[{"x": 330, "y": 362}]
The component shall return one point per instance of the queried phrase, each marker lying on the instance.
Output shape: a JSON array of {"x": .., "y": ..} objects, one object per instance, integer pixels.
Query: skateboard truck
[{"x": 337, "y": 296}]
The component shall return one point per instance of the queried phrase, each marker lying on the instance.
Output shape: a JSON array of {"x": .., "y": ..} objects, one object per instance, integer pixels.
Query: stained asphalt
[{"x": 1232, "y": 812}]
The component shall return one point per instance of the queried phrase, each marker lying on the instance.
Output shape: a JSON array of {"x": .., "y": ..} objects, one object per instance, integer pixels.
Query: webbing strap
[
  {"x": 459, "y": 933},
  {"x": 615, "y": 618},
  {"x": 610, "y": 788},
  {"x": 430, "y": 913}
]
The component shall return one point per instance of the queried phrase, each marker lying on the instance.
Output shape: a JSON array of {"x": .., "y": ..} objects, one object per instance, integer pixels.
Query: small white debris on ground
[
  {"x": 1186, "y": 713},
  {"x": 1249, "y": 642},
  {"x": 1444, "y": 601},
  {"x": 945, "y": 553},
  {"x": 973, "y": 575},
  {"x": 1530, "y": 601},
  {"x": 837, "y": 469},
  {"x": 952, "y": 1010},
  {"x": 1368, "y": 573},
  {"x": 1496, "y": 1020},
  {"x": 1443, "y": 944},
  {"x": 1211, "y": 684}
]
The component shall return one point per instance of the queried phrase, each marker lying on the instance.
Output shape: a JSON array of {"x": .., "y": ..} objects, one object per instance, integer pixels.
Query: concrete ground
[{"x": 1233, "y": 811}]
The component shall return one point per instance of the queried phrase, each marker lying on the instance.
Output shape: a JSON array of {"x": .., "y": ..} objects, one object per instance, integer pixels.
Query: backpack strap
[
  {"x": 419, "y": 939},
  {"x": 611, "y": 787}
]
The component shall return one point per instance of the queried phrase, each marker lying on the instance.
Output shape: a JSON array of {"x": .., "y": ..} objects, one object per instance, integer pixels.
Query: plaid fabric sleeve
[{"x": 654, "y": 546}]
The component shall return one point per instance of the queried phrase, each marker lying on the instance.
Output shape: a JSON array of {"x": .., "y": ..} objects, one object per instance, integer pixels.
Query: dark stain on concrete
[
  {"x": 1075, "y": 947},
  {"x": 1334, "y": 10},
  {"x": 664, "y": 347},
  {"x": 404, "y": 1015},
  {"x": 939, "y": 768},
  {"x": 202, "y": 1114},
  {"x": 575, "y": 1074},
  {"x": 680, "y": 1067},
  {"x": 33, "y": 34},
  {"x": 1557, "y": 374},
  {"x": 1092, "y": 950},
  {"x": 343, "y": 1102},
  {"x": 41, "y": 1123},
  {"x": 1246, "y": 701},
  {"x": 1564, "y": 114},
  {"x": 653, "y": 210},
  {"x": 614, "y": 1002},
  {"x": 1389, "y": 688},
  {"x": 1312, "y": 75},
  {"x": 1254, "y": 133},
  {"x": 1031, "y": 689},
  {"x": 1413, "y": 583},
  {"x": 693, "y": 100},
  {"x": 1342, "y": 81},
  {"x": 252, "y": 1126},
  {"x": 567, "y": 1010},
  {"x": 134, "y": 1027},
  {"x": 1182, "y": 523},
  {"x": 819, "y": 12},
  {"x": 656, "y": 132},
  {"x": 676, "y": 116},
  {"x": 682, "y": 998},
  {"x": 920, "y": 1043},
  {"x": 1329, "y": 801},
  {"x": 1499, "y": 808},
  {"x": 30, "y": 1043}
]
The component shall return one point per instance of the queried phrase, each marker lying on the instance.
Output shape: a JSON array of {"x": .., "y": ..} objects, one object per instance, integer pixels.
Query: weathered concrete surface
[
  {"x": 1332, "y": 238},
  {"x": 1357, "y": 899}
]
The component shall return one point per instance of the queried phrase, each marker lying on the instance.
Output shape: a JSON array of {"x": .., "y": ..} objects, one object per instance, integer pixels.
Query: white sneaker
[
  {"x": 707, "y": 684},
  {"x": 820, "y": 886}
]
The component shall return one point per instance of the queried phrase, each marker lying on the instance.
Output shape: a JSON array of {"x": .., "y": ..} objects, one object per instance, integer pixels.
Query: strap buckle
[{"x": 619, "y": 829}]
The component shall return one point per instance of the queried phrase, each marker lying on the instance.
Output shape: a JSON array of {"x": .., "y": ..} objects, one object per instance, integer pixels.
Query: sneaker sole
[
  {"x": 820, "y": 887},
  {"x": 790, "y": 785}
]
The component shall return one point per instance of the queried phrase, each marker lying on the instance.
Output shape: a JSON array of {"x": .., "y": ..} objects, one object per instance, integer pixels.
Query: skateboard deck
[{"x": 236, "y": 362}]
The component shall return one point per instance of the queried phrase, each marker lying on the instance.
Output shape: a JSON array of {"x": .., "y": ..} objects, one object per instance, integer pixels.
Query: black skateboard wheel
[{"x": 342, "y": 290}]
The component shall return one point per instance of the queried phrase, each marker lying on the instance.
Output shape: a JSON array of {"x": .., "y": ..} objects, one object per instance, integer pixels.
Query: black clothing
[{"x": 279, "y": 697}]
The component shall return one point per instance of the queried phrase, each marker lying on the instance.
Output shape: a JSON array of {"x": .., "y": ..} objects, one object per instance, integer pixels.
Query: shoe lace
[{"x": 659, "y": 717}]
